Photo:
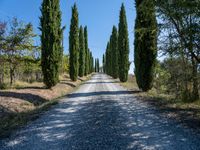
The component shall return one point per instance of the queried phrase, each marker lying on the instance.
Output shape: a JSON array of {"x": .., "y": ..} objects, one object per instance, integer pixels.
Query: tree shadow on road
[
  {"x": 103, "y": 93},
  {"x": 34, "y": 99},
  {"x": 104, "y": 124},
  {"x": 103, "y": 82}
]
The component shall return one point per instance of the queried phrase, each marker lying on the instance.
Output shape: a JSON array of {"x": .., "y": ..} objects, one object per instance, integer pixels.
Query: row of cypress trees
[
  {"x": 81, "y": 59},
  {"x": 97, "y": 65},
  {"x": 116, "y": 59}
]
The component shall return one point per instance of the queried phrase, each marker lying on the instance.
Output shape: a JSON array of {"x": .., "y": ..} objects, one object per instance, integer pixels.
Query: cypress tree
[
  {"x": 123, "y": 46},
  {"x": 110, "y": 56},
  {"x": 74, "y": 45},
  {"x": 91, "y": 63},
  {"x": 81, "y": 53},
  {"x": 145, "y": 43},
  {"x": 51, "y": 39},
  {"x": 108, "y": 68},
  {"x": 104, "y": 63},
  {"x": 115, "y": 54},
  {"x": 86, "y": 51},
  {"x": 98, "y": 67},
  {"x": 95, "y": 68}
]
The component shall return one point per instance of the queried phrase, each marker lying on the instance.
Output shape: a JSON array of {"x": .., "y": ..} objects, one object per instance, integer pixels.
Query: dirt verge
[{"x": 24, "y": 104}]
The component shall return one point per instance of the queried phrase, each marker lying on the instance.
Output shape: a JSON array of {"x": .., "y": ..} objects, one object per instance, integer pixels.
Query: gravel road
[{"x": 102, "y": 115}]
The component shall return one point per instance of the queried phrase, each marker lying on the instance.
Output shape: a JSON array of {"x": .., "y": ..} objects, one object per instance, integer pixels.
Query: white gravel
[{"x": 102, "y": 115}]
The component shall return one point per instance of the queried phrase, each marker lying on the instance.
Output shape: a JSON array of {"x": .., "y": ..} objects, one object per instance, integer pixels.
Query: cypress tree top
[
  {"x": 74, "y": 44},
  {"x": 123, "y": 46}
]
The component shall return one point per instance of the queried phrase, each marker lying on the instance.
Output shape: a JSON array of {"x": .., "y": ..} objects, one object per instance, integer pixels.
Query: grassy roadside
[
  {"x": 15, "y": 120},
  {"x": 186, "y": 113}
]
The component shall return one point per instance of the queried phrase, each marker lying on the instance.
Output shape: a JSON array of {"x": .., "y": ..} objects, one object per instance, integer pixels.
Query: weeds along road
[{"x": 102, "y": 115}]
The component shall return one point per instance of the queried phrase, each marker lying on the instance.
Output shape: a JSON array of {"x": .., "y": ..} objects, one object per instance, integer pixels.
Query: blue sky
[{"x": 98, "y": 15}]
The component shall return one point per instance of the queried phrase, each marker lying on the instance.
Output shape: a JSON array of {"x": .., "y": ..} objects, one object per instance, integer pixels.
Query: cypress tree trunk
[
  {"x": 51, "y": 39},
  {"x": 82, "y": 53},
  {"x": 145, "y": 43},
  {"x": 74, "y": 45},
  {"x": 123, "y": 46}
]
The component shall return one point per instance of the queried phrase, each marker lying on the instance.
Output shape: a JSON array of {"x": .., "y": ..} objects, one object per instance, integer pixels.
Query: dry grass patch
[
  {"x": 24, "y": 101},
  {"x": 187, "y": 113}
]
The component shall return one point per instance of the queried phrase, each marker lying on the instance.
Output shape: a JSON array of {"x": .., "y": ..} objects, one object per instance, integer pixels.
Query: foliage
[
  {"x": 179, "y": 37},
  {"x": 123, "y": 46},
  {"x": 145, "y": 43},
  {"x": 104, "y": 63},
  {"x": 74, "y": 45},
  {"x": 86, "y": 51},
  {"x": 115, "y": 53},
  {"x": 81, "y": 52},
  {"x": 51, "y": 39},
  {"x": 16, "y": 47}
]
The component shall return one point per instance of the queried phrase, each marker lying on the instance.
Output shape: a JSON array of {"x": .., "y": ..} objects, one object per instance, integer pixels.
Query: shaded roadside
[
  {"x": 187, "y": 114},
  {"x": 24, "y": 104}
]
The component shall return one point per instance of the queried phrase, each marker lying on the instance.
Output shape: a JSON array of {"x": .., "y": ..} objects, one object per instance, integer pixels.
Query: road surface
[{"x": 102, "y": 115}]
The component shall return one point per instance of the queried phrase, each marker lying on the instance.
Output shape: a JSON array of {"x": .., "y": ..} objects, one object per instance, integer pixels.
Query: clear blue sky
[{"x": 98, "y": 15}]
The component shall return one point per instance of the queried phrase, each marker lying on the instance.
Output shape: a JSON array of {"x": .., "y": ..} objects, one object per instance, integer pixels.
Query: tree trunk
[
  {"x": 11, "y": 76},
  {"x": 195, "y": 91}
]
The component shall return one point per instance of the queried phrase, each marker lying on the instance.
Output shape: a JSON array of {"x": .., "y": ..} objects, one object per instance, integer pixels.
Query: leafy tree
[
  {"x": 145, "y": 43},
  {"x": 81, "y": 52},
  {"x": 65, "y": 64},
  {"x": 51, "y": 39},
  {"x": 123, "y": 46},
  {"x": 180, "y": 21},
  {"x": 74, "y": 45},
  {"x": 16, "y": 45}
]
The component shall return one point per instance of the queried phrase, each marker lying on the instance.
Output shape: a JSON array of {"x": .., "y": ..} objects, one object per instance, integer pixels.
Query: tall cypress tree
[
  {"x": 81, "y": 53},
  {"x": 95, "y": 68},
  {"x": 123, "y": 46},
  {"x": 86, "y": 51},
  {"x": 145, "y": 43},
  {"x": 74, "y": 45},
  {"x": 115, "y": 53},
  {"x": 98, "y": 65},
  {"x": 51, "y": 39},
  {"x": 104, "y": 61},
  {"x": 108, "y": 68},
  {"x": 91, "y": 62}
]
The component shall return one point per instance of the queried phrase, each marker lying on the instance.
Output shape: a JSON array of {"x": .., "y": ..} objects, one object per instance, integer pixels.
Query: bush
[{"x": 3, "y": 86}]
